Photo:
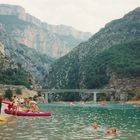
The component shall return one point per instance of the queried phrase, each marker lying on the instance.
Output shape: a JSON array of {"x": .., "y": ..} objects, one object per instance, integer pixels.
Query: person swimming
[
  {"x": 95, "y": 126},
  {"x": 112, "y": 131}
]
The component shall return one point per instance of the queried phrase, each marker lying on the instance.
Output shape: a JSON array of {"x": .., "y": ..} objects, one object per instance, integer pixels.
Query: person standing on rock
[{"x": 0, "y": 103}]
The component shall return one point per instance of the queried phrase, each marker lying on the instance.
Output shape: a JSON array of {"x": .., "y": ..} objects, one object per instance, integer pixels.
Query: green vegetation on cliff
[
  {"x": 13, "y": 74},
  {"x": 114, "y": 49},
  {"x": 95, "y": 72},
  {"x": 122, "y": 59},
  {"x": 15, "y": 77}
]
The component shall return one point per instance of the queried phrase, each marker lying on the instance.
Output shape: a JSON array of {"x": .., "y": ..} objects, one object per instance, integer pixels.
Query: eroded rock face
[
  {"x": 124, "y": 88},
  {"x": 52, "y": 40},
  {"x": 44, "y": 42},
  {"x": 124, "y": 84}
]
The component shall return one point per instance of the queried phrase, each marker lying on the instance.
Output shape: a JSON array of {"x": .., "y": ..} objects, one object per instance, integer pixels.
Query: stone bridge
[{"x": 92, "y": 91}]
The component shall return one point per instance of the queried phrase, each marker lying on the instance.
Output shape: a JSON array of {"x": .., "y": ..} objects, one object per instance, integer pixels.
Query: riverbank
[
  {"x": 134, "y": 102},
  {"x": 17, "y": 90}
]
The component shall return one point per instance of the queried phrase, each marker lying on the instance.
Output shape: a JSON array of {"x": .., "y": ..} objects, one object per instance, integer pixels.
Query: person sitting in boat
[
  {"x": 30, "y": 99},
  {"x": 34, "y": 107},
  {"x": 112, "y": 131},
  {"x": 12, "y": 105},
  {"x": 21, "y": 106},
  {"x": 15, "y": 104},
  {"x": 26, "y": 105},
  {"x": 0, "y": 103}
]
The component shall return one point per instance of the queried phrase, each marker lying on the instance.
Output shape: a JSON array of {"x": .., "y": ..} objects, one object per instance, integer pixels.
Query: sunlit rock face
[{"x": 52, "y": 40}]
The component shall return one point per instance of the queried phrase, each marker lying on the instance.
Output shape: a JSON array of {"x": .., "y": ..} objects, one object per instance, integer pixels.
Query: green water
[{"x": 75, "y": 123}]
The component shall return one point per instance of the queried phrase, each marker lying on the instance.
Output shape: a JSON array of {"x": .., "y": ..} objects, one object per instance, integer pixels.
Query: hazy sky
[{"x": 85, "y": 15}]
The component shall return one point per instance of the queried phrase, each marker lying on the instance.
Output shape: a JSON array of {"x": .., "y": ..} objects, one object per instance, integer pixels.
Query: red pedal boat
[{"x": 19, "y": 113}]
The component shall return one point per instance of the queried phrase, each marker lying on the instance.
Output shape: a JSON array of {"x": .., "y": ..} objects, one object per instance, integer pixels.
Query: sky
[{"x": 84, "y": 15}]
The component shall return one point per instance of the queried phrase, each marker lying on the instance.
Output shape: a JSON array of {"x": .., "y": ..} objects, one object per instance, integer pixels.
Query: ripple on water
[{"x": 75, "y": 123}]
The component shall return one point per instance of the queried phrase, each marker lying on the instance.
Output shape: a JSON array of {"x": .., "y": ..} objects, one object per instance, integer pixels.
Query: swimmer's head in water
[
  {"x": 114, "y": 130},
  {"x": 95, "y": 125}
]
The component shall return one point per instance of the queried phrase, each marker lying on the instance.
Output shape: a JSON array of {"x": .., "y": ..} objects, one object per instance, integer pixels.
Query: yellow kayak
[{"x": 3, "y": 119}]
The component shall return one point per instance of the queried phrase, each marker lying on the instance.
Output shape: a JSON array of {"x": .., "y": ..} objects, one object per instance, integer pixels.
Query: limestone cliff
[
  {"x": 52, "y": 40},
  {"x": 26, "y": 58}
]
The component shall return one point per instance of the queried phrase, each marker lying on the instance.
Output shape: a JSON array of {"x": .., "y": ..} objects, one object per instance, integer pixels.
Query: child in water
[{"x": 112, "y": 131}]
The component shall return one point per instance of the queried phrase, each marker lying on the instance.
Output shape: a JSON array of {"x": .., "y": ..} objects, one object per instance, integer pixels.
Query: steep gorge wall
[
  {"x": 115, "y": 47},
  {"x": 55, "y": 41}
]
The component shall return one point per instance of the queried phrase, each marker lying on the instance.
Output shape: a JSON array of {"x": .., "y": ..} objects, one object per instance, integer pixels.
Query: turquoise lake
[{"x": 75, "y": 123}]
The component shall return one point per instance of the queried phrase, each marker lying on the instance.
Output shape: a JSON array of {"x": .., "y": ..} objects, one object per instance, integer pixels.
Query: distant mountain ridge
[
  {"x": 49, "y": 39},
  {"x": 114, "y": 50}
]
